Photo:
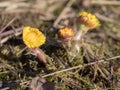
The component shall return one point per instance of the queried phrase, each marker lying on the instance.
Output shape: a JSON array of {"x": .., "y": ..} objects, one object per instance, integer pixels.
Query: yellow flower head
[
  {"x": 32, "y": 37},
  {"x": 66, "y": 33},
  {"x": 89, "y": 20}
]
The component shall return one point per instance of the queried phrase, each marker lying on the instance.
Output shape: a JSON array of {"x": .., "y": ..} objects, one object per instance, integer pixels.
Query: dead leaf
[{"x": 39, "y": 83}]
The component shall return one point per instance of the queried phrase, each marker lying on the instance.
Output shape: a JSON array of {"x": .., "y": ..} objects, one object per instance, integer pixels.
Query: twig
[
  {"x": 105, "y": 2},
  {"x": 80, "y": 66},
  {"x": 63, "y": 12}
]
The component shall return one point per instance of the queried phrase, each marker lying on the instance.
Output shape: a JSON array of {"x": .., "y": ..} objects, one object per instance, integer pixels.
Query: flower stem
[{"x": 40, "y": 54}]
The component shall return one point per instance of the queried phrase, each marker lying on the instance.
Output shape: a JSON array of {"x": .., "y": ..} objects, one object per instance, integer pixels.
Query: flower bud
[
  {"x": 65, "y": 33},
  {"x": 88, "y": 20}
]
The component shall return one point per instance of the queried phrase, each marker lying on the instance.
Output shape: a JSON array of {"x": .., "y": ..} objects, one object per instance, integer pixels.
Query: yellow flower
[
  {"x": 66, "y": 33},
  {"x": 89, "y": 20},
  {"x": 32, "y": 37}
]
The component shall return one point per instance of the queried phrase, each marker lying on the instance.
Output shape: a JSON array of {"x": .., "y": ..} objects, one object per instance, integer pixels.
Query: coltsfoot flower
[
  {"x": 66, "y": 33},
  {"x": 32, "y": 37},
  {"x": 89, "y": 20}
]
